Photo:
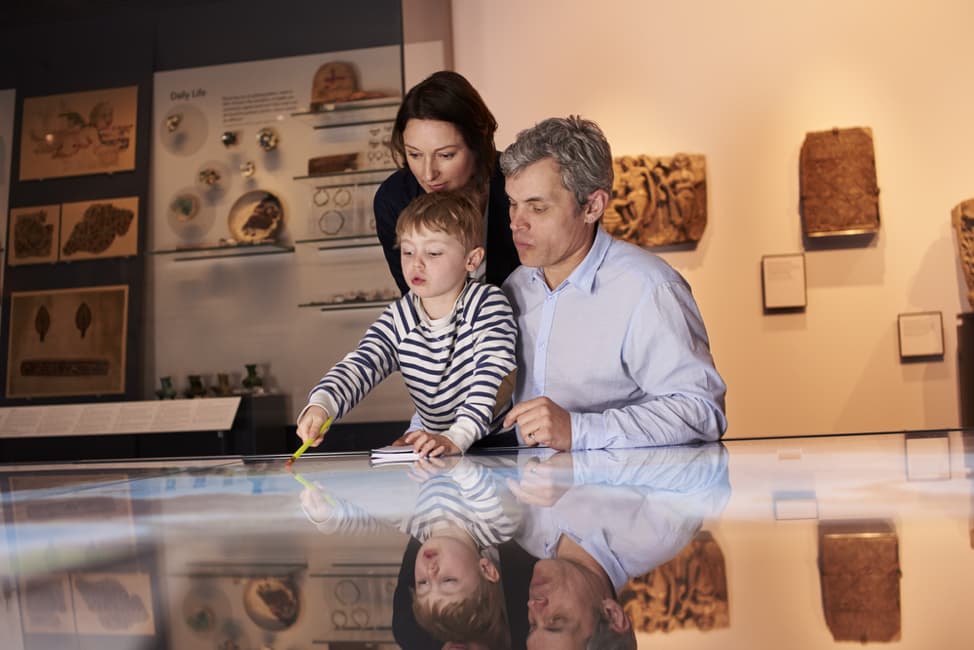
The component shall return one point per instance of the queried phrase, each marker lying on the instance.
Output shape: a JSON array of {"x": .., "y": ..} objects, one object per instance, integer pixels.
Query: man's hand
[
  {"x": 543, "y": 483},
  {"x": 431, "y": 444},
  {"x": 542, "y": 422},
  {"x": 310, "y": 424}
]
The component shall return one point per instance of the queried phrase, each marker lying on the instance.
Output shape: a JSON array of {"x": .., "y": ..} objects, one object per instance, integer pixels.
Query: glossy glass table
[{"x": 812, "y": 542}]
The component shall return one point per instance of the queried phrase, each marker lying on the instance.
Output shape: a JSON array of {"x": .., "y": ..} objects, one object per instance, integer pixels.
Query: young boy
[{"x": 451, "y": 338}]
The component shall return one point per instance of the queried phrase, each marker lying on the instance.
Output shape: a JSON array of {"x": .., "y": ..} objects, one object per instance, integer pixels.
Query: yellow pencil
[
  {"x": 307, "y": 443},
  {"x": 324, "y": 495}
]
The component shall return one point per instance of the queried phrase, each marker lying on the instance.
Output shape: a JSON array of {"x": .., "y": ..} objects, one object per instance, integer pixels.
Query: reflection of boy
[
  {"x": 451, "y": 338},
  {"x": 458, "y": 592},
  {"x": 460, "y": 518}
]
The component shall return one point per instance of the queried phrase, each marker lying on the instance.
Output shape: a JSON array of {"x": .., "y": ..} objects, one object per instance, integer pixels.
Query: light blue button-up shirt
[{"x": 621, "y": 346}]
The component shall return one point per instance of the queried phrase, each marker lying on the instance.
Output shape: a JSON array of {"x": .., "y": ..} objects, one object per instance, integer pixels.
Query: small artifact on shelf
[
  {"x": 247, "y": 169},
  {"x": 252, "y": 382},
  {"x": 268, "y": 139},
  {"x": 222, "y": 387},
  {"x": 185, "y": 206},
  {"x": 209, "y": 177},
  {"x": 337, "y": 82},
  {"x": 256, "y": 217},
  {"x": 167, "y": 391},
  {"x": 362, "y": 295},
  {"x": 342, "y": 162},
  {"x": 962, "y": 217},
  {"x": 196, "y": 388},
  {"x": 229, "y": 138},
  {"x": 173, "y": 121}
]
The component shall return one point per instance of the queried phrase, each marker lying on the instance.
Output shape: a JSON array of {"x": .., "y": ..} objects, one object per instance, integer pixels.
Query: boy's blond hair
[
  {"x": 449, "y": 212},
  {"x": 481, "y": 617}
]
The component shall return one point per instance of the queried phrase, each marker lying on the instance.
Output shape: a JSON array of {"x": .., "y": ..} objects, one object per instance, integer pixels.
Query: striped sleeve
[
  {"x": 362, "y": 369},
  {"x": 490, "y": 358}
]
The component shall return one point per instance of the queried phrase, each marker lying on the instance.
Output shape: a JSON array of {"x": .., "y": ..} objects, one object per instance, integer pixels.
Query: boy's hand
[
  {"x": 315, "y": 504},
  {"x": 431, "y": 444},
  {"x": 310, "y": 424}
]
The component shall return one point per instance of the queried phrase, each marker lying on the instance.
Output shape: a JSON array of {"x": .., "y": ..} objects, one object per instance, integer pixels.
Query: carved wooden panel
[
  {"x": 658, "y": 201},
  {"x": 689, "y": 591},
  {"x": 962, "y": 217},
  {"x": 839, "y": 192}
]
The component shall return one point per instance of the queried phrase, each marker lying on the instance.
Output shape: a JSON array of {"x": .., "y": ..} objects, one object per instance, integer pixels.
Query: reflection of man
[
  {"x": 612, "y": 349},
  {"x": 622, "y": 516}
]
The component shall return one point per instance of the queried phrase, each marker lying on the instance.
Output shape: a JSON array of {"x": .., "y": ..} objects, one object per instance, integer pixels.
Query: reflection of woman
[{"x": 444, "y": 138}]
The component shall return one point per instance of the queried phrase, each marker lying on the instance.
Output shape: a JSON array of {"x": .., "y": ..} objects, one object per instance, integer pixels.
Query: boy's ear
[
  {"x": 489, "y": 571},
  {"x": 474, "y": 258}
]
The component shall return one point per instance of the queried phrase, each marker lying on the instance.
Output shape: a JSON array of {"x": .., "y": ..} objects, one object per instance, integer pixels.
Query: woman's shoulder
[{"x": 400, "y": 187}]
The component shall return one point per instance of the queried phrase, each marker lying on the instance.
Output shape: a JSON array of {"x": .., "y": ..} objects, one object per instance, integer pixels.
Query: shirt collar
[{"x": 583, "y": 276}]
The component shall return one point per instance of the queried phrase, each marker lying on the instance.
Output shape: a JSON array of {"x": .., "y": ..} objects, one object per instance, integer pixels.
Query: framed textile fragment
[
  {"x": 75, "y": 134},
  {"x": 839, "y": 192},
  {"x": 67, "y": 342},
  {"x": 658, "y": 201},
  {"x": 97, "y": 229},
  {"x": 34, "y": 233}
]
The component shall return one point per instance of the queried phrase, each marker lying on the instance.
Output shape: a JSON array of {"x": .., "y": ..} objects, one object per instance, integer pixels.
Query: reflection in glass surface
[{"x": 797, "y": 543}]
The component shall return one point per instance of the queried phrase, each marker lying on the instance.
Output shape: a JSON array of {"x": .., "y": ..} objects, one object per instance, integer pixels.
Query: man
[
  {"x": 612, "y": 349},
  {"x": 624, "y": 514}
]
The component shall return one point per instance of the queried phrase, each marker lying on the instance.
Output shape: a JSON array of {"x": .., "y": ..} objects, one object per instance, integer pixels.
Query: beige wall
[{"x": 742, "y": 82}]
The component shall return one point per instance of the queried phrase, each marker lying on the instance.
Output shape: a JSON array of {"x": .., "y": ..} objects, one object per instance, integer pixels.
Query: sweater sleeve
[
  {"x": 494, "y": 339},
  {"x": 362, "y": 369}
]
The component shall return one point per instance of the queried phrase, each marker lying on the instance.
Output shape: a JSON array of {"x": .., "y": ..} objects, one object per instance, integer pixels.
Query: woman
[{"x": 444, "y": 139}]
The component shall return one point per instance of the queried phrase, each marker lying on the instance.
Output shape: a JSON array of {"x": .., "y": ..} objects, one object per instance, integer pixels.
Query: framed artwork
[
  {"x": 921, "y": 335},
  {"x": 33, "y": 236},
  {"x": 67, "y": 342},
  {"x": 783, "y": 281},
  {"x": 97, "y": 229},
  {"x": 75, "y": 134}
]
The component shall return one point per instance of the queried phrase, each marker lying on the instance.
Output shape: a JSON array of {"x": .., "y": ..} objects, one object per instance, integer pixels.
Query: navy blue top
[{"x": 400, "y": 188}]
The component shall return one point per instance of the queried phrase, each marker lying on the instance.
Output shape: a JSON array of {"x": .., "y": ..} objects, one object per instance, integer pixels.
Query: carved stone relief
[
  {"x": 658, "y": 201},
  {"x": 963, "y": 218},
  {"x": 689, "y": 591},
  {"x": 839, "y": 192}
]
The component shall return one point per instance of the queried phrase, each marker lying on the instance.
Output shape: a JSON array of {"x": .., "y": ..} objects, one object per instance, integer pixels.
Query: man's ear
[
  {"x": 616, "y": 616},
  {"x": 474, "y": 258},
  {"x": 595, "y": 206},
  {"x": 489, "y": 571}
]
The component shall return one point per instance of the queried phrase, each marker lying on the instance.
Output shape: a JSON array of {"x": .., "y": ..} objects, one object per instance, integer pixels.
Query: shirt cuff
[
  {"x": 323, "y": 400},
  {"x": 463, "y": 433}
]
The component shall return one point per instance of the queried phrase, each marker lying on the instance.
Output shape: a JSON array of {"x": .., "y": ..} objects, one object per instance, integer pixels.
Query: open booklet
[{"x": 393, "y": 454}]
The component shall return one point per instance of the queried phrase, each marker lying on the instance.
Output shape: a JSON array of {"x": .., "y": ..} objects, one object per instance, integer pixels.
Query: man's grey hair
[{"x": 578, "y": 146}]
